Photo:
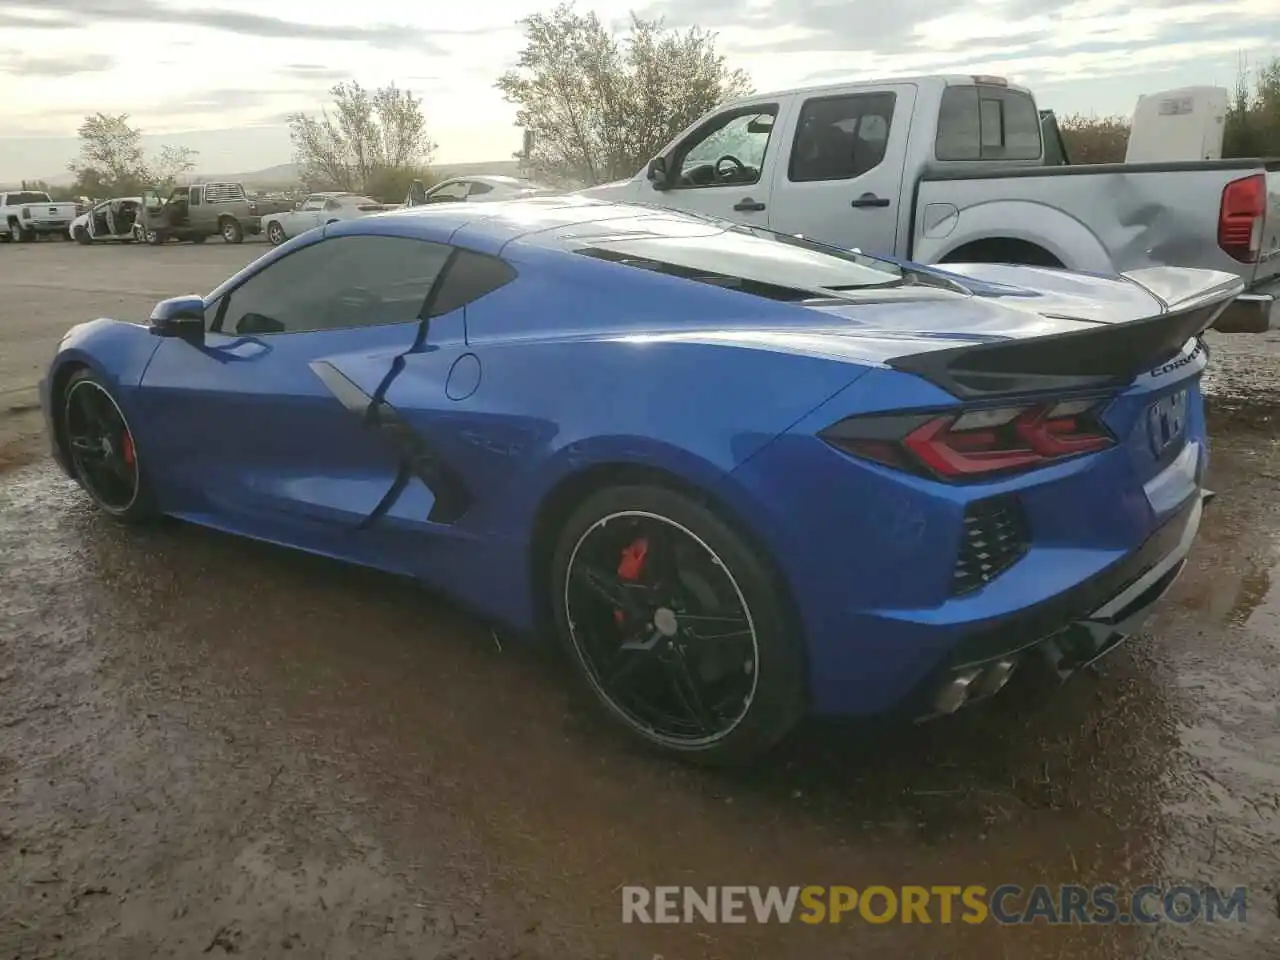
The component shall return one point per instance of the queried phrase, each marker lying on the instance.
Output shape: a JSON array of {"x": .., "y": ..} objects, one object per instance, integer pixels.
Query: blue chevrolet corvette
[{"x": 742, "y": 476}]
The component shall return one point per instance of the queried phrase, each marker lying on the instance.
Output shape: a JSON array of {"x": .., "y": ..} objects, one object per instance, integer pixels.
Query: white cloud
[{"x": 183, "y": 65}]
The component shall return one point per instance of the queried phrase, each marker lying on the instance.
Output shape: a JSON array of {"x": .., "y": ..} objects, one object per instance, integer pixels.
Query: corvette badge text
[{"x": 973, "y": 904}]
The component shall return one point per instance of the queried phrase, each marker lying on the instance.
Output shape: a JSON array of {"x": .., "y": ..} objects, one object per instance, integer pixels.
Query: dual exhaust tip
[{"x": 971, "y": 684}]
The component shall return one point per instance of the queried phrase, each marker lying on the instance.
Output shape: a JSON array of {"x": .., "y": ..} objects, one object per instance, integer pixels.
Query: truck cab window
[
  {"x": 728, "y": 149},
  {"x": 840, "y": 138},
  {"x": 987, "y": 123}
]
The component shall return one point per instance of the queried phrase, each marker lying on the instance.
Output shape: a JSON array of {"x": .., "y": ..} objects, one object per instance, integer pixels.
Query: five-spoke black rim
[
  {"x": 662, "y": 629},
  {"x": 101, "y": 446}
]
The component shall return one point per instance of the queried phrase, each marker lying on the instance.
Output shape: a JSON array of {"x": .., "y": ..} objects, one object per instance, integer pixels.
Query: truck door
[
  {"x": 201, "y": 216},
  {"x": 840, "y": 174},
  {"x": 725, "y": 165}
]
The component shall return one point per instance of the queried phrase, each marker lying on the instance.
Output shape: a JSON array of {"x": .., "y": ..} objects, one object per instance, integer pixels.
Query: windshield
[
  {"x": 29, "y": 196},
  {"x": 750, "y": 259}
]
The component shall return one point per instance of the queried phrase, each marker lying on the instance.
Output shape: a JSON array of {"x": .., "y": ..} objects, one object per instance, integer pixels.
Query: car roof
[{"x": 551, "y": 222}]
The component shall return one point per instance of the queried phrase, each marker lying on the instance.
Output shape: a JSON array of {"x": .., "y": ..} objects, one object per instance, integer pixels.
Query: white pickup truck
[
  {"x": 956, "y": 169},
  {"x": 28, "y": 214}
]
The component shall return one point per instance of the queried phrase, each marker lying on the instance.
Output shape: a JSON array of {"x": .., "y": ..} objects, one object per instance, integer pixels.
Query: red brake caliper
[
  {"x": 630, "y": 567},
  {"x": 126, "y": 448}
]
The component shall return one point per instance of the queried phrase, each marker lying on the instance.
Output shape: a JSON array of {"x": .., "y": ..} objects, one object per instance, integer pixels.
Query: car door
[
  {"x": 305, "y": 217},
  {"x": 724, "y": 167},
  {"x": 842, "y": 182},
  {"x": 258, "y": 428},
  {"x": 102, "y": 209}
]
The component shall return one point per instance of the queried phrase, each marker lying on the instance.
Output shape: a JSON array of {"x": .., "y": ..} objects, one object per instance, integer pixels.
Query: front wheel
[
  {"x": 275, "y": 233},
  {"x": 232, "y": 231},
  {"x": 675, "y": 625},
  {"x": 82, "y": 236},
  {"x": 102, "y": 450},
  {"x": 153, "y": 237}
]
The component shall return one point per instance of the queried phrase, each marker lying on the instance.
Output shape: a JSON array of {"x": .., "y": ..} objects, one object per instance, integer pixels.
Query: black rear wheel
[
  {"x": 676, "y": 626},
  {"x": 102, "y": 449}
]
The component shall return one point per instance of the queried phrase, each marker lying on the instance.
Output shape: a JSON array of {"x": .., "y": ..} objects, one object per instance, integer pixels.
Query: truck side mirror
[{"x": 658, "y": 173}]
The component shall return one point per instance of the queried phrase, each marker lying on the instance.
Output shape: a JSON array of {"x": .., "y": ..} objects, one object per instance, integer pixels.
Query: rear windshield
[
  {"x": 773, "y": 265},
  {"x": 982, "y": 122},
  {"x": 29, "y": 197}
]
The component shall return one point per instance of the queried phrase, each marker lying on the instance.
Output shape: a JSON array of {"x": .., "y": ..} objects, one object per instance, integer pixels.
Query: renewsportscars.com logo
[{"x": 972, "y": 904}]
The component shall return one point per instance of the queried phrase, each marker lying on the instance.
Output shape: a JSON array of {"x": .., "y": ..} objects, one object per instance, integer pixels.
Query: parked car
[
  {"x": 317, "y": 210},
  {"x": 107, "y": 221},
  {"x": 741, "y": 475},
  {"x": 200, "y": 211},
  {"x": 27, "y": 215},
  {"x": 473, "y": 189},
  {"x": 963, "y": 169}
]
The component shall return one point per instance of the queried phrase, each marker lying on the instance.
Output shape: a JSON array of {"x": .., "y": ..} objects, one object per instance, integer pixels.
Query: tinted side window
[
  {"x": 478, "y": 188},
  {"x": 469, "y": 277},
  {"x": 987, "y": 123},
  {"x": 839, "y": 138},
  {"x": 336, "y": 283}
]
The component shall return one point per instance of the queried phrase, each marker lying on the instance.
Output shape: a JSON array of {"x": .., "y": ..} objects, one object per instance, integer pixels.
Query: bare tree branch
[{"x": 599, "y": 107}]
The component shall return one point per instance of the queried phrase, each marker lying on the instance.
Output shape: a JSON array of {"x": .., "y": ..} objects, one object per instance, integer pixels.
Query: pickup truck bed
[{"x": 1109, "y": 218}]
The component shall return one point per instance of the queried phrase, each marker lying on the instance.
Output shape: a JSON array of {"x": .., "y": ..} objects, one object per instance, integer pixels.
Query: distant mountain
[{"x": 286, "y": 174}]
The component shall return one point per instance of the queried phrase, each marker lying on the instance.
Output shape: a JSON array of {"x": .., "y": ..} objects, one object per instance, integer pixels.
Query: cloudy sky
[{"x": 219, "y": 75}]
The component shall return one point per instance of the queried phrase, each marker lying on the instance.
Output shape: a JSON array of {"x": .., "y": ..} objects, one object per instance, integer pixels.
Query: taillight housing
[
  {"x": 1240, "y": 217},
  {"x": 982, "y": 443}
]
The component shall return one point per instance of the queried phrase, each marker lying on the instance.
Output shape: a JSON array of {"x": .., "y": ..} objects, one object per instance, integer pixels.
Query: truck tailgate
[{"x": 1269, "y": 247}]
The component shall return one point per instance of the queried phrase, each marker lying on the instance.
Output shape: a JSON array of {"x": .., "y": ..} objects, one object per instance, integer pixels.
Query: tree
[
  {"x": 598, "y": 108},
  {"x": 111, "y": 156},
  {"x": 113, "y": 163},
  {"x": 1253, "y": 119},
  {"x": 374, "y": 138},
  {"x": 1095, "y": 139},
  {"x": 172, "y": 164}
]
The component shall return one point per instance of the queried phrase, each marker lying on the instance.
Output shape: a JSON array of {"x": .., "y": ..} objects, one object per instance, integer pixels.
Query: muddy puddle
[{"x": 212, "y": 746}]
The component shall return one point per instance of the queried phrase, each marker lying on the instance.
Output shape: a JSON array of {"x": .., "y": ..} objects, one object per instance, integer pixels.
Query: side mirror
[
  {"x": 181, "y": 317},
  {"x": 417, "y": 194},
  {"x": 658, "y": 173}
]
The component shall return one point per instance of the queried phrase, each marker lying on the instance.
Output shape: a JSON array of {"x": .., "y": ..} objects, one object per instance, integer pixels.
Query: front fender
[
  {"x": 1064, "y": 236},
  {"x": 115, "y": 351}
]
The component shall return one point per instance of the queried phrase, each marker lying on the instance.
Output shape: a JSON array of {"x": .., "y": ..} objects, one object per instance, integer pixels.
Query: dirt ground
[{"x": 209, "y": 746}]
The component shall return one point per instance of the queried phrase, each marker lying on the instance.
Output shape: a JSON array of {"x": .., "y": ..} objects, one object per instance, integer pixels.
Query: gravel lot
[{"x": 213, "y": 746}]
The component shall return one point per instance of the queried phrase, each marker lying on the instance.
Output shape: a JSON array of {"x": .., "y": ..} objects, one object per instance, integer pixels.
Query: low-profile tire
[
  {"x": 102, "y": 450},
  {"x": 231, "y": 230},
  {"x": 275, "y": 233},
  {"x": 697, "y": 654},
  {"x": 82, "y": 236}
]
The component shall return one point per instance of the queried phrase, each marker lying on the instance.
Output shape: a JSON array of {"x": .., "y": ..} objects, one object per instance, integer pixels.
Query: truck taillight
[{"x": 1244, "y": 204}]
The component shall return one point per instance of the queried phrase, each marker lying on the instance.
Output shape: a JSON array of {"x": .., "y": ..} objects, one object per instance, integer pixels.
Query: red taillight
[
  {"x": 1244, "y": 205},
  {"x": 975, "y": 443}
]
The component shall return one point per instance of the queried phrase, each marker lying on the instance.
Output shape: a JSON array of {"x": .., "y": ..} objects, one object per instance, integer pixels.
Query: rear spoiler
[{"x": 1103, "y": 356}]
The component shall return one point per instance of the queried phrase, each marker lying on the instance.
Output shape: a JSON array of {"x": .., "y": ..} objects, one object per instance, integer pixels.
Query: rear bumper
[
  {"x": 1251, "y": 312},
  {"x": 1071, "y": 631}
]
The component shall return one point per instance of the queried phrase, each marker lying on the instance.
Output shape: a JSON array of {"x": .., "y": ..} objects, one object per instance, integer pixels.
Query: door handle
[
  {"x": 746, "y": 203},
  {"x": 870, "y": 200}
]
